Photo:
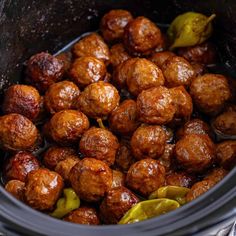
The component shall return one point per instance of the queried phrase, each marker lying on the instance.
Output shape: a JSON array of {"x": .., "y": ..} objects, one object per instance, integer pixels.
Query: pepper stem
[{"x": 100, "y": 123}]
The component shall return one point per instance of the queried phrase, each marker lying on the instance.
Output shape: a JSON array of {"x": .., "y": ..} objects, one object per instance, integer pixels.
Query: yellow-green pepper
[
  {"x": 190, "y": 29},
  {"x": 66, "y": 204},
  {"x": 147, "y": 209}
]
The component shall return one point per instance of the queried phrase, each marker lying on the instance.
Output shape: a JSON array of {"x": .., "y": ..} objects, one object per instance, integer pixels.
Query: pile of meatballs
[{"x": 115, "y": 118}]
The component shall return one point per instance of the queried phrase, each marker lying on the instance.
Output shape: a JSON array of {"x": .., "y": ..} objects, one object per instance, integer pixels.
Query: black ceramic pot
[{"x": 29, "y": 26}]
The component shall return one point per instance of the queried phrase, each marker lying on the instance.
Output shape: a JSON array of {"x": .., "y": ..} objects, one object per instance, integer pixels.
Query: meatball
[
  {"x": 91, "y": 179},
  {"x": 143, "y": 74},
  {"x": 61, "y": 96},
  {"x": 98, "y": 100},
  {"x": 177, "y": 71},
  {"x": 64, "y": 167},
  {"x": 116, "y": 203},
  {"x": 42, "y": 189},
  {"x": 148, "y": 142},
  {"x": 156, "y": 106},
  {"x": 67, "y": 127},
  {"x": 141, "y": 36},
  {"x": 43, "y": 70},
  {"x": 146, "y": 176},
  {"x": 204, "y": 53},
  {"x": 124, "y": 158},
  {"x": 92, "y": 45},
  {"x": 183, "y": 103},
  {"x": 123, "y": 120},
  {"x": 19, "y": 165},
  {"x": 16, "y": 188},
  {"x": 199, "y": 69},
  {"x": 169, "y": 133},
  {"x": 22, "y": 99},
  {"x": 180, "y": 179},
  {"x": 225, "y": 123},
  {"x": 100, "y": 144},
  {"x": 216, "y": 175},
  {"x": 113, "y": 24},
  {"x": 198, "y": 189},
  {"x": 159, "y": 58},
  {"x": 87, "y": 70},
  {"x": 55, "y": 154},
  {"x": 195, "y": 152},
  {"x": 83, "y": 215},
  {"x": 210, "y": 92},
  {"x": 66, "y": 58},
  {"x": 167, "y": 157},
  {"x": 226, "y": 154},
  {"x": 194, "y": 126},
  {"x": 118, "y": 55},
  {"x": 118, "y": 179},
  {"x": 17, "y": 133}
]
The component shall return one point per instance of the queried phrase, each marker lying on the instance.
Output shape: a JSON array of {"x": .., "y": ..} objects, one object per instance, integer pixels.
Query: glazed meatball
[
  {"x": 146, "y": 176},
  {"x": 67, "y": 127},
  {"x": 118, "y": 55},
  {"x": 195, "y": 152},
  {"x": 143, "y": 74},
  {"x": 113, "y": 24},
  {"x": 64, "y": 167},
  {"x": 91, "y": 179},
  {"x": 94, "y": 46},
  {"x": 116, "y": 203},
  {"x": 177, "y": 71},
  {"x": 55, "y": 154},
  {"x": 198, "y": 68},
  {"x": 169, "y": 133},
  {"x": 180, "y": 179},
  {"x": 225, "y": 123},
  {"x": 98, "y": 100},
  {"x": 19, "y": 165},
  {"x": 148, "y": 142},
  {"x": 183, "y": 103},
  {"x": 123, "y": 120},
  {"x": 87, "y": 70},
  {"x": 124, "y": 157},
  {"x": 210, "y": 92},
  {"x": 17, "y": 133},
  {"x": 42, "y": 189},
  {"x": 118, "y": 179},
  {"x": 167, "y": 157},
  {"x": 156, "y": 106},
  {"x": 16, "y": 188},
  {"x": 61, "y": 96},
  {"x": 198, "y": 189},
  {"x": 83, "y": 215},
  {"x": 22, "y": 99},
  {"x": 66, "y": 58},
  {"x": 141, "y": 36},
  {"x": 226, "y": 154},
  {"x": 43, "y": 70},
  {"x": 216, "y": 175},
  {"x": 204, "y": 53},
  {"x": 100, "y": 144},
  {"x": 159, "y": 58}
]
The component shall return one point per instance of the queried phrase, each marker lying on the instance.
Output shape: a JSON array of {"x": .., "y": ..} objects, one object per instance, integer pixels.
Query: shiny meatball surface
[
  {"x": 87, "y": 70},
  {"x": 43, "y": 70},
  {"x": 141, "y": 36},
  {"x": 113, "y": 23},
  {"x": 22, "y": 99},
  {"x": 148, "y": 142},
  {"x": 67, "y": 127},
  {"x": 159, "y": 58},
  {"x": 116, "y": 203},
  {"x": 100, "y": 144},
  {"x": 118, "y": 178},
  {"x": 118, "y": 55},
  {"x": 16, "y": 188},
  {"x": 166, "y": 158},
  {"x": 156, "y": 106},
  {"x": 84, "y": 216},
  {"x": 91, "y": 179},
  {"x": 42, "y": 189},
  {"x": 145, "y": 176},
  {"x": 177, "y": 71},
  {"x": 216, "y": 175},
  {"x": 195, "y": 152},
  {"x": 98, "y": 100},
  {"x": 19, "y": 165},
  {"x": 180, "y": 179},
  {"x": 17, "y": 133},
  {"x": 210, "y": 92}
]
